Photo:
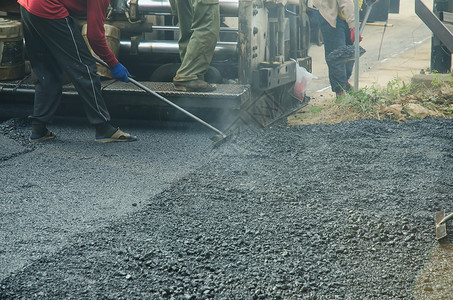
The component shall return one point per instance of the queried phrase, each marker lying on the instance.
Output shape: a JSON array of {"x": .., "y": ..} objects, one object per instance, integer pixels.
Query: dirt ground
[{"x": 322, "y": 108}]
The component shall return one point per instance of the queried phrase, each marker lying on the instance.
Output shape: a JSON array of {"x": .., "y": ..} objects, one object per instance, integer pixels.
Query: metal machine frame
[
  {"x": 440, "y": 21},
  {"x": 257, "y": 60}
]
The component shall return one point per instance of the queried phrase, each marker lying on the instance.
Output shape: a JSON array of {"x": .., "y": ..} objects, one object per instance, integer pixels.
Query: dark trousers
[
  {"x": 54, "y": 47},
  {"x": 334, "y": 38}
]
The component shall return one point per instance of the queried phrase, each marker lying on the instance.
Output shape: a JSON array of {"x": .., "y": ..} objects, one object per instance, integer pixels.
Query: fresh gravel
[
  {"x": 320, "y": 211},
  {"x": 344, "y": 53}
]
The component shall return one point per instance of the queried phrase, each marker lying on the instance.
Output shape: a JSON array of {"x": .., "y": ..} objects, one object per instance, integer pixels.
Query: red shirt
[{"x": 95, "y": 11}]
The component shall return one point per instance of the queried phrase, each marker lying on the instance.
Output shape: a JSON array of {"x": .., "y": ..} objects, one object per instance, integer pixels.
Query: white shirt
[{"x": 329, "y": 10}]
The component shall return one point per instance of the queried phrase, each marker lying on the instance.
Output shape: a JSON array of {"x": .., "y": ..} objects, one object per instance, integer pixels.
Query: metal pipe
[
  {"x": 356, "y": 44},
  {"x": 281, "y": 30},
  {"x": 223, "y": 50},
  {"x": 293, "y": 30},
  {"x": 244, "y": 42},
  {"x": 304, "y": 42},
  {"x": 30, "y": 91},
  {"x": 176, "y": 28},
  {"x": 228, "y": 8},
  {"x": 293, "y": 2},
  {"x": 273, "y": 44},
  {"x": 442, "y": 41},
  {"x": 126, "y": 27}
]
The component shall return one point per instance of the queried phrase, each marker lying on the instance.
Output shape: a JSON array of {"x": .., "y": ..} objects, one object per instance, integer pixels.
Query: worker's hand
[
  {"x": 120, "y": 72},
  {"x": 353, "y": 36}
]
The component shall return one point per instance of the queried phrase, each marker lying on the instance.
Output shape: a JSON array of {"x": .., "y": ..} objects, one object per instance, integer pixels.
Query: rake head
[{"x": 441, "y": 228}]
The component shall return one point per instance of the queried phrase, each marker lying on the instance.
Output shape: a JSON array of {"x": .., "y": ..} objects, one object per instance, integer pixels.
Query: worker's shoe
[
  {"x": 36, "y": 137},
  {"x": 39, "y": 132},
  {"x": 106, "y": 133},
  {"x": 340, "y": 94},
  {"x": 348, "y": 86},
  {"x": 194, "y": 86},
  {"x": 348, "y": 90},
  {"x": 118, "y": 136}
]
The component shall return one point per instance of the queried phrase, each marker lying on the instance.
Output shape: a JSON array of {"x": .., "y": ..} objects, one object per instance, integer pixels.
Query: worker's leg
[
  {"x": 200, "y": 49},
  {"x": 67, "y": 47},
  {"x": 333, "y": 39},
  {"x": 48, "y": 73},
  {"x": 185, "y": 18}
]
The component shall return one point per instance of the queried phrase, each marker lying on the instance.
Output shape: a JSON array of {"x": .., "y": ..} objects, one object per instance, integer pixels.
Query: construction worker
[
  {"x": 54, "y": 45},
  {"x": 199, "y": 24},
  {"x": 336, "y": 21}
]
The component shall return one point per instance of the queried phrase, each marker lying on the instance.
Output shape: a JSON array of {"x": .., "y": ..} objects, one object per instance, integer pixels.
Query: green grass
[
  {"x": 369, "y": 102},
  {"x": 315, "y": 110}
]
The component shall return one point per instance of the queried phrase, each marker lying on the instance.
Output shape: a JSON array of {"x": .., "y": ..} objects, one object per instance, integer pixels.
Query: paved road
[{"x": 71, "y": 185}]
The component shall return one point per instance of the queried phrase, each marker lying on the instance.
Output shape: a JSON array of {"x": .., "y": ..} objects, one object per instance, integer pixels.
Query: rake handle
[
  {"x": 365, "y": 18},
  {"x": 149, "y": 91}
]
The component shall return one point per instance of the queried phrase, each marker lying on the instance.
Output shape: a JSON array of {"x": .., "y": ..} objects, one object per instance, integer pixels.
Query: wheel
[{"x": 165, "y": 73}]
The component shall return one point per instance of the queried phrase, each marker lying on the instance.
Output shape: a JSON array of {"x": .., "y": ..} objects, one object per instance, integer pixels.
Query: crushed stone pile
[{"x": 322, "y": 211}]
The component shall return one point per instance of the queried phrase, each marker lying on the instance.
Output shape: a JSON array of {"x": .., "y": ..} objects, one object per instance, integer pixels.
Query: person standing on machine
[
  {"x": 54, "y": 45},
  {"x": 336, "y": 21},
  {"x": 199, "y": 24}
]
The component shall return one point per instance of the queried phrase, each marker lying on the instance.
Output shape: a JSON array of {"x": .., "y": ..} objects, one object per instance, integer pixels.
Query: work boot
[
  {"x": 339, "y": 94},
  {"x": 348, "y": 86},
  {"x": 194, "y": 86}
]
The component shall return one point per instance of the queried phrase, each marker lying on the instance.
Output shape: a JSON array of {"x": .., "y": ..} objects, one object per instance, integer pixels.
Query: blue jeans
[{"x": 339, "y": 72}]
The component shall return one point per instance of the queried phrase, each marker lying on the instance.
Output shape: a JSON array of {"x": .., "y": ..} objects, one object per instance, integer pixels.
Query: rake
[{"x": 440, "y": 220}]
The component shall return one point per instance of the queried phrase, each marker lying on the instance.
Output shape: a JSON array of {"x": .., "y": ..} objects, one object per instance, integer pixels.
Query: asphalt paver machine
[
  {"x": 440, "y": 21},
  {"x": 254, "y": 65}
]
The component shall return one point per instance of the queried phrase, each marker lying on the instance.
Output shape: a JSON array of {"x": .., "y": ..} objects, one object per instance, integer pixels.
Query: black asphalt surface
[
  {"x": 54, "y": 190},
  {"x": 321, "y": 212}
]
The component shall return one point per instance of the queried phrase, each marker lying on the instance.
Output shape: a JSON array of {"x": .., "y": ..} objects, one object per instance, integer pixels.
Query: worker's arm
[
  {"x": 96, "y": 12},
  {"x": 347, "y": 7}
]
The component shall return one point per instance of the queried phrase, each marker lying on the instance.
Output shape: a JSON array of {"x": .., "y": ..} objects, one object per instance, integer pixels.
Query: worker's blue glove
[{"x": 120, "y": 72}]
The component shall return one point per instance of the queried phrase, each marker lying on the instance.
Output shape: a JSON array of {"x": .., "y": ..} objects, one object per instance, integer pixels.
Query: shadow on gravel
[{"x": 334, "y": 212}]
